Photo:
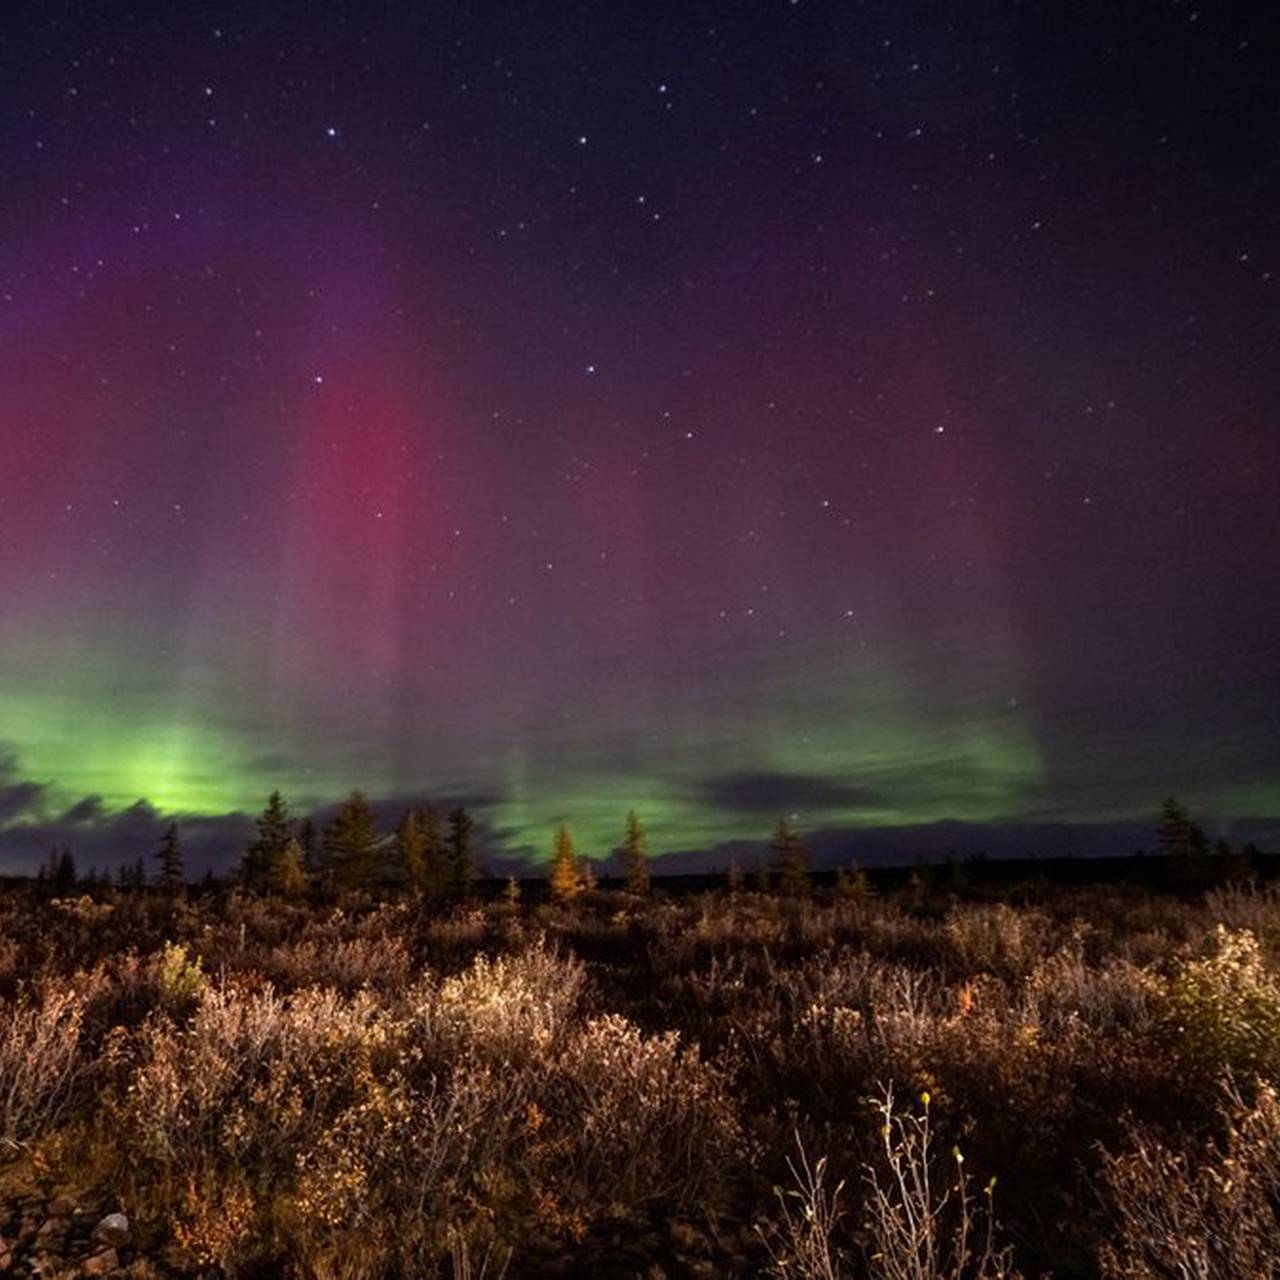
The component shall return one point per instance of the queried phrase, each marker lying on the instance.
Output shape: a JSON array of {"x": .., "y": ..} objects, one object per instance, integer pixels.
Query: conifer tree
[
  {"x": 132, "y": 875},
  {"x": 274, "y": 830},
  {"x": 511, "y": 892},
  {"x": 62, "y": 870},
  {"x": 733, "y": 878},
  {"x": 350, "y": 844},
  {"x": 791, "y": 862},
  {"x": 852, "y": 885},
  {"x": 435, "y": 856},
  {"x": 310, "y": 847},
  {"x": 564, "y": 867},
  {"x": 410, "y": 851},
  {"x": 1197, "y": 841},
  {"x": 288, "y": 875},
  {"x": 1174, "y": 835},
  {"x": 635, "y": 856},
  {"x": 171, "y": 877},
  {"x": 460, "y": 869}
]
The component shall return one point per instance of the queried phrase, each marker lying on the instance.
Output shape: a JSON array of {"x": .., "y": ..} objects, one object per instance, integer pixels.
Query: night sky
[{"x": 862, "y": 412}]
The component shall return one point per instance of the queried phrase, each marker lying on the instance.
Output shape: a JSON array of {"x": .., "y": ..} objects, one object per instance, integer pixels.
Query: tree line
[{"x": 433, "y": 856}]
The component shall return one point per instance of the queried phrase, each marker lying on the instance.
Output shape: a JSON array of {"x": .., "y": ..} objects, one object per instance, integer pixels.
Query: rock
[
  {"x": 62, "y": 1206},
  {"x": 100, "y": 1264},
  {"x": 113, "y": 1230}
]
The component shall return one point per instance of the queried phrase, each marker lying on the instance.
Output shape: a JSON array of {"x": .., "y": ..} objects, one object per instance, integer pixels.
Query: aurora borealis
[{"x": 868, "y": 413}]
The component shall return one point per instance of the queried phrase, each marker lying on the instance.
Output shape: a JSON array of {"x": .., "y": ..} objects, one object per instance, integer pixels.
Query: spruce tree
[
  {"x": 310, "y": 847},
  {"x": 435, "y": 856},
  {"x": 852, "y": 885},
  {"x": 274, "y": 830},
  {"x": 460, "y": 869},
  {"x": 288, "y": 874},
  {"x": 62, "y": 870},
  {"x": 350, "y": 844},
  {"x": 171, "y": 877},
  {"x": 791, "y": 862},
  {"x": 564, "y": 867},
  {"x": 410, "y": 852},
  {"x": 1174, "y": 837},
  {"x": 635, "y": 856}
]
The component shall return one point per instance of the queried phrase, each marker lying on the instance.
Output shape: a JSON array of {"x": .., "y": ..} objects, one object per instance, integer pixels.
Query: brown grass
[{"x": 379, "y": 1090}]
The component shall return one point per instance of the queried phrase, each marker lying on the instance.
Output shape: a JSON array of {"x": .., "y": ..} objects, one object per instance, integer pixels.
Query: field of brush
[{"x": 903, "y": 1086}]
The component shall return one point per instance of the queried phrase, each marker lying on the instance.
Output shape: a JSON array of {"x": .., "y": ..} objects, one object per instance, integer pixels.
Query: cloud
[
  {"x": 766, "y": 792},
  {"x": 88, "y": 810},
  {"x": 20, "y": 800}
]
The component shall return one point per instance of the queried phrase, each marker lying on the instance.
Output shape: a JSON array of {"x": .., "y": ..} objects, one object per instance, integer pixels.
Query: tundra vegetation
[{"x": 855, "y": 1080}]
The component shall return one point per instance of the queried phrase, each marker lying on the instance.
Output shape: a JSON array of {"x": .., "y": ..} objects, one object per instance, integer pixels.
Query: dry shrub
[
  {"x": 507, "y": 1007},
  {"x": 922, "y": 1217},
  {"x": 406, "y": 1172},
  {"x": 1213, "y": 1217},
  {"x": 997, "y": 939},
  {"x": 648, "y": 1118},
  {"x": 40, "y": 1059},
  {"x": 1248, "y": 906},
  {"x": 248, "y": 1075},
  {"x": 371, "y": 960},
  {"x": 1224, "y": 1010},
  {"x": 1117, "y": 994},
  {"x": 227, "y": 1102},
  {"x": 460, "y": 934},
  {"x": 10, "y": 956},
  {"x": 180, "y": 979},
  {"x": 890, "y": 1027},
  {"x": 803, "y": 1246}
]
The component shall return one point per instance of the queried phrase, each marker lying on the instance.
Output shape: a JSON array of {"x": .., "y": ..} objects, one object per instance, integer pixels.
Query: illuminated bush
[{"x": 1224, "y": 1010}]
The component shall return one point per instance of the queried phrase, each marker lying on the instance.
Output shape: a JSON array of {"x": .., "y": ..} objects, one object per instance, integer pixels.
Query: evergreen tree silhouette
[
  {"x": 350, "y": 844},
  {"x": 1173, "y": 837},
  {"x": 436, "y": 873},
  {"x": 132, "y": 875},
  {"x": 791, "y": 862},
  {"x": 733, "y": 877},
  {"x": 635, "y": 856},
  {"x": 274, "y": 830},
  {"x": 410, "y": 851},
  {"x": 171, "y": 878},
  {"x": 565, "y": 883},
  {"x": 61, "y": 875},
  {"x": 310, "y": 847},
  {"x": 460, "y": 869}
]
